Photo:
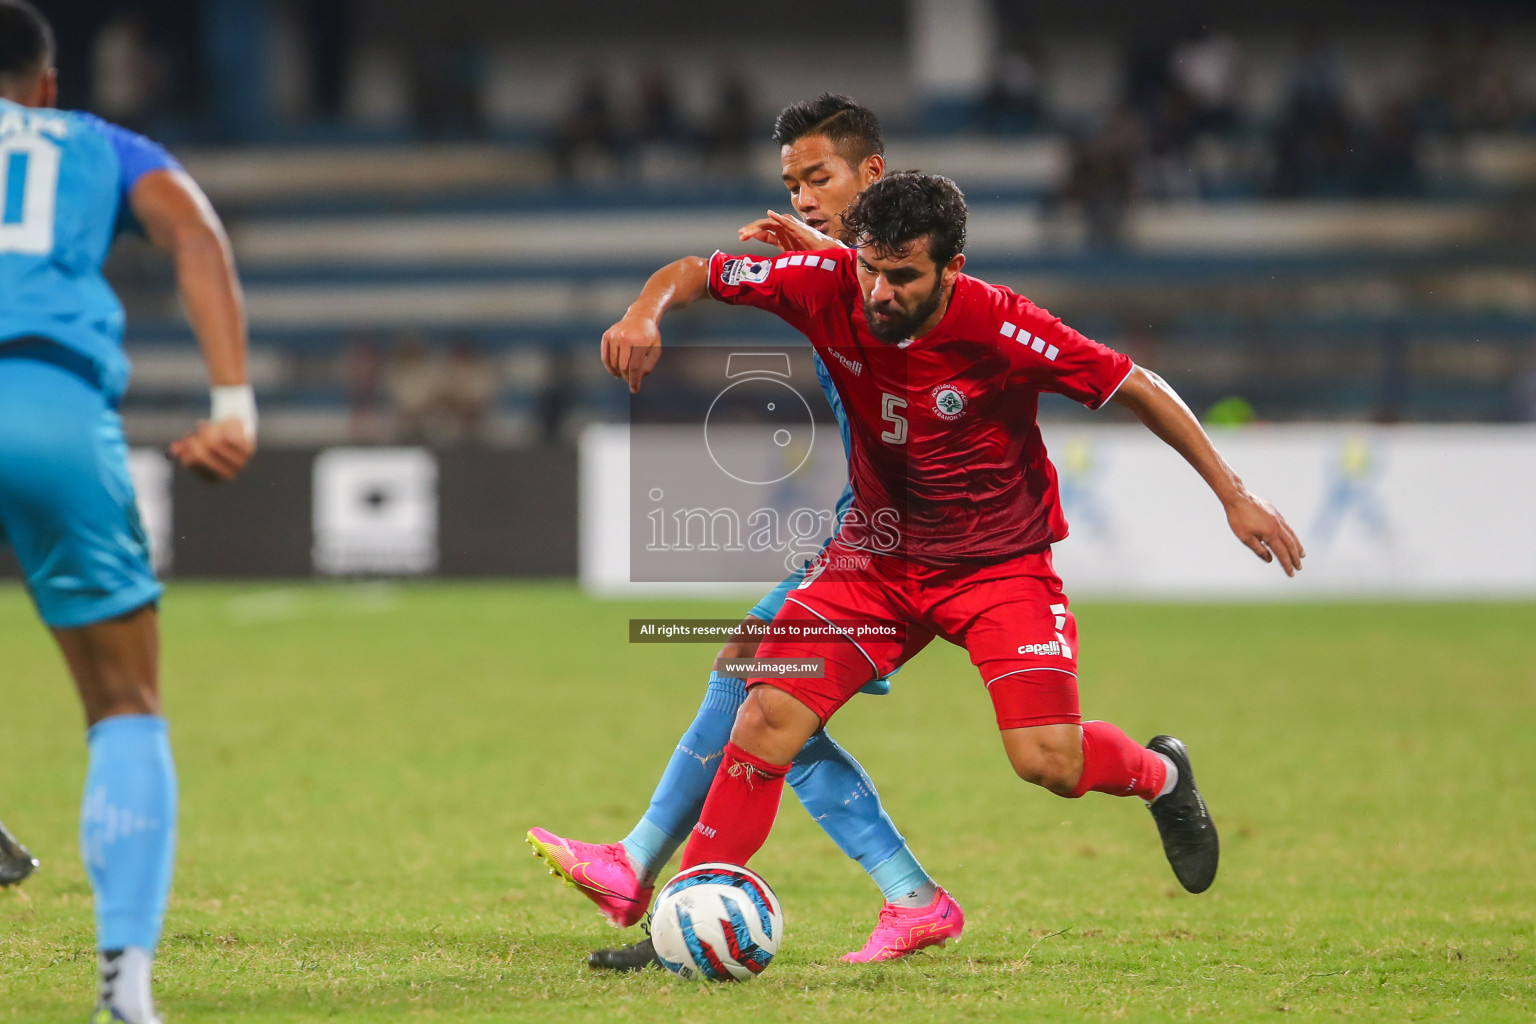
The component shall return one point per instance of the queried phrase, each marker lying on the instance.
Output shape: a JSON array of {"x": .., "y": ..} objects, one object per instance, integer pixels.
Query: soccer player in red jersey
[
  {"x": 831, "y": 148},
  {"x": 956, "y": 508}
]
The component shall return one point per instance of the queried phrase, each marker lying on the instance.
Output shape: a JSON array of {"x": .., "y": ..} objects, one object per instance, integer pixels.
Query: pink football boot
[
  {"x": 601, "y": 871},
  {"x": 903, "y": 930}
]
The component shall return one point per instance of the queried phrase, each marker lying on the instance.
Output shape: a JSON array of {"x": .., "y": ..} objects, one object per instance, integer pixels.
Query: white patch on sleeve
[{"x": 756, "y": 271}]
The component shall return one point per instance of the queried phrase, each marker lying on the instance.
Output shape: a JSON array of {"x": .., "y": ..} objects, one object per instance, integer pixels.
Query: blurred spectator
[
  {"x": 448, "y": 80},
  {"x": 1433, "y": 104},
  {"x": 1012, "y": 102},
  {"x": 363, "y": 372},
  {"x": 1102, "y": 176},
  {"x": 666, "y": 148},
  {"x": 467, "y": 391},
  {"x": 126, "y": 71},
  {"x": 1321, "y": 150},
  {"x": 1468, "y": 84},
  {"x": 440, "y": 400},
  {"x": 1208, "y": 68},
  {"x": 413, "y": 386},
  {"x": 732, "y": 126},
  {"x": 1316, "y": 83},
  {"x": 1489, "y": 95},
  {"x": 587, "y": 137},
  {"x": 1314, "y": 141},
  {"x": 1389, "y": 157},
  {"x": 1147, "y": 77},
  {"x": 331, "y": 29},
  {"x": 1180, "y": 87},
  {"x": 1167, "y": 170},
  {"x": 657, "y": 121}
]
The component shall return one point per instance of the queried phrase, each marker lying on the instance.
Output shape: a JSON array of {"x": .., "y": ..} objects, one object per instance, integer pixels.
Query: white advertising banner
[
  {"x": 1415, "y": 511},
  {"x": 1401, "y": 511},
  {"x": 375, "y": 511}
]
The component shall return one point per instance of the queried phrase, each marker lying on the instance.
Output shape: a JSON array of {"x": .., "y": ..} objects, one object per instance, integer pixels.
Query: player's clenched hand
[
  {"x": 788, "y": 233},
  {"x": 1260, "y": 526},
  {"x": 214, "y": 451},
  {"x": 631, "y": 348}
]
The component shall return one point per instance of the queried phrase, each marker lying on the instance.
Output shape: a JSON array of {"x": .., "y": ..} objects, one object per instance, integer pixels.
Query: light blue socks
[
  {"x": 128, "y": 828},
  {"x": 833, "y": 787},
  {"x": 679, "y": 796},
  {"x": 838, "y": 793}
]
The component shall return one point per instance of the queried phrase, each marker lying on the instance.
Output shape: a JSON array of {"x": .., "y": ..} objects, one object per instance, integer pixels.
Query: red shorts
[{"x": 1010, "y": 616}]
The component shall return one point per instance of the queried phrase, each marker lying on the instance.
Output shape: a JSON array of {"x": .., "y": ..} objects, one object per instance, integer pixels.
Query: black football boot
[
  {"x": 1189, "y": 834},
  {"x": 16, "y": 862}
]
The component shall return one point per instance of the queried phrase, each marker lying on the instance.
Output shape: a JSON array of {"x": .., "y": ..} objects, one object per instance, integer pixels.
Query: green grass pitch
[{"x": 359, "y": 764}]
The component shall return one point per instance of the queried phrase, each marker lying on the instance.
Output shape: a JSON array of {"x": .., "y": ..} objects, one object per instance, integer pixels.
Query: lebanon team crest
[{"x": 948, "y": 402}]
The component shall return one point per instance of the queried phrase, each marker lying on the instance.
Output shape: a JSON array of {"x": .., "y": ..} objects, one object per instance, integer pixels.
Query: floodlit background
[
  {"x": 1307, "y": 212},
  {"x": 1315, "y": 217}
]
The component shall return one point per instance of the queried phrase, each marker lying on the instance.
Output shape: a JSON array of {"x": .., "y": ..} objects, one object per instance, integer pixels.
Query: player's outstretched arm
[
  {"x": 632, "y": 346},
  {"x": 178, "y": 218},
  {"x": 790, "y": 234},
  {"x": 1256, "y": 522}
]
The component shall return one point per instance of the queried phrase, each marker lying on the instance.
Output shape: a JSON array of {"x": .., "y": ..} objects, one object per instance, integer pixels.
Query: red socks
[
  {"x": 1114, "y": 763},
  {"x": 739, "y": 811},
  {"x": 744, "y": 798}
]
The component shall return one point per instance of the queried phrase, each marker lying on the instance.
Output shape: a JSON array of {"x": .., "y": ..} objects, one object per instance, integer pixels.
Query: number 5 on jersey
[{"x": 889, "y": 411}]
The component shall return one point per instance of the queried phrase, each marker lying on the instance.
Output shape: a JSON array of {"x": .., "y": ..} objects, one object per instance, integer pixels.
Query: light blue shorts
[
  {"x": 772, "y": 601},
  {"x": 66, "y": 499}
]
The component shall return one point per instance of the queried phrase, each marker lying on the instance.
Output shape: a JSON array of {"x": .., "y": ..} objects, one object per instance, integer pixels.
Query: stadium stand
[{"x": 1330, "y": 227}]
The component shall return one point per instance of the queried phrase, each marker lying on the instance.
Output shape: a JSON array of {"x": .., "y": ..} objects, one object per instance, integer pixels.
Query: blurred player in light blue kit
[{"x": 69, "y": 184}]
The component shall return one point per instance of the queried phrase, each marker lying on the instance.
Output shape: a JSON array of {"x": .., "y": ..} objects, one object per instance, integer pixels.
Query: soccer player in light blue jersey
[
  {"x": 831, "y": 150},
  {"x": 69, "y": 183}
]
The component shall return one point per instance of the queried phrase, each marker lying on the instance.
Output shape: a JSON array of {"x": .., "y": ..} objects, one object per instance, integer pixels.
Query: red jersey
[{"x": 947, "y": 461}]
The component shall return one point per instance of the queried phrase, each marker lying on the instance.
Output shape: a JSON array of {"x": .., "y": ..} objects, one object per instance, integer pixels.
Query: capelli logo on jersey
[
  {"x": 948, "y": 402},
  {"x": 1057, "y": 647},
  {"x": 853, "y": 366}
]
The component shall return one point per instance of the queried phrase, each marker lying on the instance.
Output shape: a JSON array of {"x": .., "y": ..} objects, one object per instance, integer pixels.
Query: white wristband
[{"x": 235, "y": 402}]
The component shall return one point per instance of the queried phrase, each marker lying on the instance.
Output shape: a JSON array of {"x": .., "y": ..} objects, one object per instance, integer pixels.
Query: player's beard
[{"x": 898, "y": 326}]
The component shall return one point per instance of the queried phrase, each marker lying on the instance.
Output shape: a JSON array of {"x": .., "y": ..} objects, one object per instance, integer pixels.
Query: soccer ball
[{"x": 716, "y": 922}]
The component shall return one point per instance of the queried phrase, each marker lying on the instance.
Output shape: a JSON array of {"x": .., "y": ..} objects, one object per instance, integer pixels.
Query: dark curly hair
[
  {"x": 853, "y": 129},
  {"x": 897, "y": 211},
  {"x": 26, "y": 39}
]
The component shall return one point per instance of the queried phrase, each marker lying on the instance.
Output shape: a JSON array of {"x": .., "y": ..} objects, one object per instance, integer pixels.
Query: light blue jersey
[
  {"x": 836, "y": 402},
  {"x": 772, "y": 601},
  {"x": 66, "y": 498},
  {"x": 64, "y": 184}
]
